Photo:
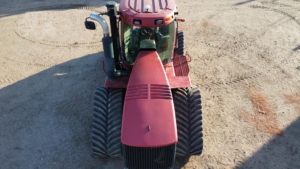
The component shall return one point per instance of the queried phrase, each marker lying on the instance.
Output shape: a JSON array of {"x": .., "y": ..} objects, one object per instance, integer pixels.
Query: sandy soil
[{"x": 246, "y": 61}]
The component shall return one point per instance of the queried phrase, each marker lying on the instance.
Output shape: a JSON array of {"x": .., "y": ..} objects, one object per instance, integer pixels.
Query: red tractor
[{"x": 147, "y": 112}]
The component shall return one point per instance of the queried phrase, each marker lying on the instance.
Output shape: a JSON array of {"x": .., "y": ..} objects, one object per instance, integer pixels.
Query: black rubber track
[
  {"x": 187, "y": 102},
  {"x": 180, "y": 43},
  {"x": 107, "y": 119}
]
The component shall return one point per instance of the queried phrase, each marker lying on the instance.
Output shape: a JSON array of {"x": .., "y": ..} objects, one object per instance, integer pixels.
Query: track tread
[
  {"x": 188, "y": 110},
  {"x": 180, "y": 102},
  {"x": 107, "y": 118}
]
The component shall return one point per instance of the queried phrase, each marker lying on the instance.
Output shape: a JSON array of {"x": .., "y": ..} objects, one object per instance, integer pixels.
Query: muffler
[{"x": 107, "y": 47}]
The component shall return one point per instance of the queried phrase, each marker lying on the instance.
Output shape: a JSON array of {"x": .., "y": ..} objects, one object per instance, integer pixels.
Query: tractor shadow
[
  {"x": 46, "y": 119},
  {"x": 281, "y": 152}
]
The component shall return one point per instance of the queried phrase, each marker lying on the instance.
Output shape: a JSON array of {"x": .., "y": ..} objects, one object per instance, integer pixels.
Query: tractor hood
[{"x": 148, "y": 114}]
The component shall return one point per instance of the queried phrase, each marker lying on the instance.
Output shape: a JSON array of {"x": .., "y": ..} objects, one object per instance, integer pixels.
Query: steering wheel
[{"x": 147, "y": 31}]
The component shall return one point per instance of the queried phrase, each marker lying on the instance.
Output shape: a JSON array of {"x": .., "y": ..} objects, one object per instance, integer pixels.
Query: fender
[{"x": 148, "y": 113}]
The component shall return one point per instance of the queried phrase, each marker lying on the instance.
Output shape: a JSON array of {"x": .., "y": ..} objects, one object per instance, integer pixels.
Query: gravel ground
[{"x": 246, "y": 62}]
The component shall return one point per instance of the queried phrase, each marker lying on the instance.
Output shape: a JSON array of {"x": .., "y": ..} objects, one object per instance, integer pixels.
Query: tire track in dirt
[
  {"x": 56, "y": 43},
  {"x": 238, "y": 78},
  {"x": 274, "y": 2},
  {"x": 256, "y": 35},
  {"x": 59, "y": 44},
  {"x": 227, "y": 41},
  {"x": 213, "y": 30},
  {"x": 57, "y": 7},
  {"x": 228, "y": 47},
  {"x": 44, "y": 65},
  {"x": 244, "y": 44},
  {"x": 276, "y": 10},
  {"x": 271, "y": 9},
  {"x": 231, "y": 80},
  {"x": 263, "y": 119},
  {"x": 285, "y": 16}
]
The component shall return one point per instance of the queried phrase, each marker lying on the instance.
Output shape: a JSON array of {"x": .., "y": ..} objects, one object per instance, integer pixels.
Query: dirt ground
[{"x": 245, "y": 60}]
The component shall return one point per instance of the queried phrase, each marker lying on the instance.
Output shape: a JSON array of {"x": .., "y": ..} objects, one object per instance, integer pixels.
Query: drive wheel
[
  {"x": 107, "y": 119},
  {"x": 187, "y": 102},
  {"x": 180, "y": 43}
]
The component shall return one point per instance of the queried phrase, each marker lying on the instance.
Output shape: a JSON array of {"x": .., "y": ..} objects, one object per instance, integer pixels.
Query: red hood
[{"x": 148, "y": 115}]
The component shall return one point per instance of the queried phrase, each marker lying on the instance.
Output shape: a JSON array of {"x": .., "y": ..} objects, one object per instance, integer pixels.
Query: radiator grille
[
  {"x": 149, "y": 158},
  {"x": 149, "y": 91}
]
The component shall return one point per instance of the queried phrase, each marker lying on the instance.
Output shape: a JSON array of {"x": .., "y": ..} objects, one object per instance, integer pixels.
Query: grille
[
  {"x": 181, "y": 66},
  {"x": 151, "y": 91},
  {"x": 137, "y": 92},
  {"x": 160, "y": 92},
  {"x": 149, "y": 158}
]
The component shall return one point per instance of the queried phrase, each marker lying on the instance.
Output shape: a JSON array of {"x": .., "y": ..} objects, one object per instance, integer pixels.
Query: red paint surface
[
  {"x": 159, "y": 9},
  {"x": 148, "y": 102},
  {"x": 174, "y": 81},
  {"x": 119, "y": 82}
]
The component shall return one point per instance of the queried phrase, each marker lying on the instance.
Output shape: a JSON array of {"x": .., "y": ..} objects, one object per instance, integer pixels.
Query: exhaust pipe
[
  {"x": 107, "y": 47},
  {"x": 102, "y": 23}
]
